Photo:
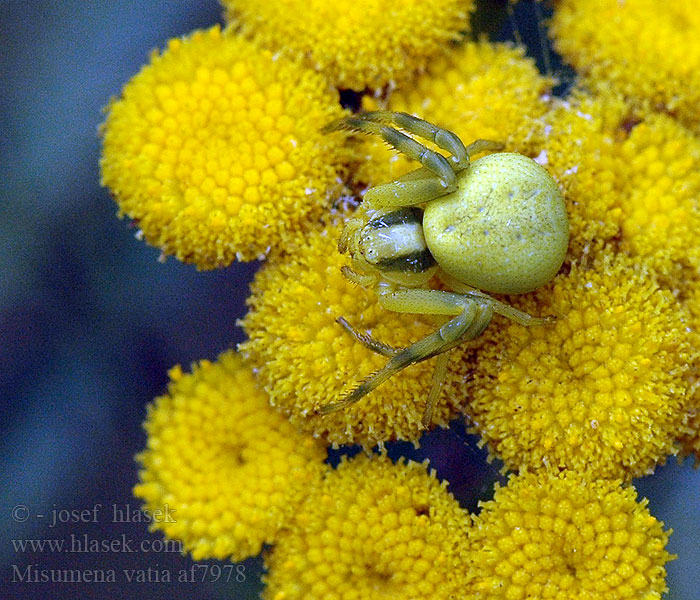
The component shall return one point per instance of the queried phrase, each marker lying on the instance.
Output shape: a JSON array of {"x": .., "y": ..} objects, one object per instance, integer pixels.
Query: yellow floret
[
  {"x": 480, "y": 90},
  {"x": 565, "y": 537},
  {"x": 641, "y": 48},
  {"x": 306, "y": 360},
  {"x": 604, "y": 387},
  {"x": 373, "y": 529},
  {"x": 229, "y": 469},
  {"x": 357, "y": 44},
  {"x": 214, "y": 149}
]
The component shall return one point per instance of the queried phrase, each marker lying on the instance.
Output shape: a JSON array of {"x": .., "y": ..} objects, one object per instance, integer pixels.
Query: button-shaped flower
[
  {"x": 214, "y": 149},
  {"x": 606, "y": 387},
  {"x": 229, "y": 469},
  {"x": 372, "y": 529},
  {"x": 638, "y": 48},
  {"x": 565, "y": 537},
  {"x": 359, "y": 43}
]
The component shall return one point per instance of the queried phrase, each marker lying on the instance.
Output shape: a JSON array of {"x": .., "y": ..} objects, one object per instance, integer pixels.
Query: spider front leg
[
  {"x": 470, "y": 318},
  {"x": 413, "y": 188},
  {"x": 442, "y": 138},
  {"x": 438, "y": 175},
  {"x": 423, "y": 184}
]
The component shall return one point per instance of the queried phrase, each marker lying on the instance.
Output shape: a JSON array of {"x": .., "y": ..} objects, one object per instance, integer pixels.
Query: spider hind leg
[{"x": 470, "y": 318}]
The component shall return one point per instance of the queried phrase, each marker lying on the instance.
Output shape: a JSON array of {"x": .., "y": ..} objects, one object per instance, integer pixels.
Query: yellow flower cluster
[
  {"x": 215, "y": 151},
  {"x": 229, "y": 469},
  {"x": 565, "y": 537},
  {"x": 373, "y": 529},
  {"x": 642, "y": 49},
  {"x": 690, "y": 442},
  {"x": 305, "y": 359},
  {"x": 604, "y": 388},
  {"x": 480, "y": 90},
  {"x": 357, "y": 44}
]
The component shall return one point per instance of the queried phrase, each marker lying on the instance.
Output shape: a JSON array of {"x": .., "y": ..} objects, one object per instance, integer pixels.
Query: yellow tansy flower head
[
  {"x": 480, "y": 90},
  {"x": 604, "y": 387},
  {"x": 659, "y": 171},
  {"x": 629, "y": 178},
  {"x": 357, "y": 44},
  {"x": 566, "y": 538},
  {"x": 373, "y": 529},
  {"x": 306, "y": 360},
  {"x": 215, "y": 150},
  {"x": 230, "y": 470},
  {"x": 641, "y": 48}
]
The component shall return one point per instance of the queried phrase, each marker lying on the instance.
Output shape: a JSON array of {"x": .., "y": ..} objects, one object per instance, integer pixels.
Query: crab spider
[{"x": 497, "y": 224}]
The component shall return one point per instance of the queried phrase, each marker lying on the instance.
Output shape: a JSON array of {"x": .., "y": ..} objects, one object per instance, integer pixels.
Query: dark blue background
[{"x": 90, "y": 321}]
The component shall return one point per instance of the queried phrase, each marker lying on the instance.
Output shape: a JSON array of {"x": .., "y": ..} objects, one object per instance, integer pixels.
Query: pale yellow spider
[{"x": 497, "y": 224}]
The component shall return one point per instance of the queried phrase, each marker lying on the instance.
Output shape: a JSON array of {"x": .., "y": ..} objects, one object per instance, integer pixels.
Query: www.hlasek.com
[
  {"x": 84, "y": 543},
  {"x": 196, "y": 573}
]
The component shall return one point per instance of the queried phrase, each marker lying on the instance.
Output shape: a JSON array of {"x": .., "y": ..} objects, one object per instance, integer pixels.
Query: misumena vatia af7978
[{"x": 497, "y": 224}]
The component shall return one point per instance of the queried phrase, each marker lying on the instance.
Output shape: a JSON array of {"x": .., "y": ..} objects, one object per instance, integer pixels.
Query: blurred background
[{"x": 90, "y": 322}]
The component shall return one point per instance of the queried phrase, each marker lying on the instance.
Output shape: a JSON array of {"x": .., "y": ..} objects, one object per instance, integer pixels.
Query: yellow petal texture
[
  {"x": 605, "y": 387},
  {"x": 230, "y": 470},
  {"x": 690, "y": 440},
  {"x": 480, "y": 90},
  {"x": 372, "y": 530},
  {"x": 645, "y": 50},
  {"x": 355, "y": 43},
  {"x": 305, "y": 359},
  {"x": 565, "y": 537},
  {"x": 214, "y": 149}
]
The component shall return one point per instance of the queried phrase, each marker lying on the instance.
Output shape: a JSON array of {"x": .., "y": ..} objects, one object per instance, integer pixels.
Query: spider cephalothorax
[{"x": 497, "y": 224}]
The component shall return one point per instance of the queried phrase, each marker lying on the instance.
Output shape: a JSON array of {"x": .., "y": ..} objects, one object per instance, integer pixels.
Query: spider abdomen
[{"x": 503, "y": 230}]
